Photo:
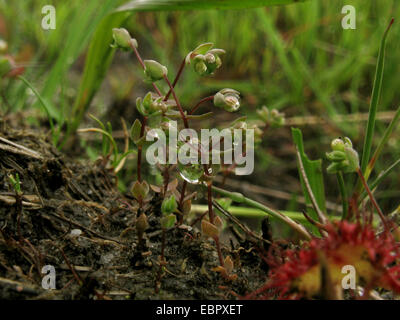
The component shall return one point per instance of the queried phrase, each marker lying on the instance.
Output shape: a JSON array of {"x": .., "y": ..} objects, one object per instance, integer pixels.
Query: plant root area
[{"x": 70, "y": 215}]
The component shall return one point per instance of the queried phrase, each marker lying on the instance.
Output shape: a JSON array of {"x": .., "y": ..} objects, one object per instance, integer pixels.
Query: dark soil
[{"x": 59, "y": 196}]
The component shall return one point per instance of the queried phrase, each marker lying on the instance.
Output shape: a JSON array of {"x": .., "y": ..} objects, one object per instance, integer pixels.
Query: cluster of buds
[
  {"x": 343, "y": 157},
  {"x": 272, "y": 118},
  {"x": 228, "y": 99},
  {"x": 204, "y": 59},
  {"x": 168, "y": 208},
  {"x": 243, "y": 126},
  {"x": 150, "y": 105}
]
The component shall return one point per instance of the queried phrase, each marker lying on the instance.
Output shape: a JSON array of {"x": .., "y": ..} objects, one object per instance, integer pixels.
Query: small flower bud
[
  {"x": 337, "y": 145},
  {"x": 122, "y": 39},
  {"x": 200, "y": 50},
  {"x": 200, "y": 67},
  {"x": 227, "y": 99},
  {"x": 154, "y": 71},
  {"x": 343, "y": 157},
  {"x": 336, "y": 156},
  {"x": 169, "y": 205},
  {"x": 167, "y": 125},
  {"x": 209, "y": 58}
]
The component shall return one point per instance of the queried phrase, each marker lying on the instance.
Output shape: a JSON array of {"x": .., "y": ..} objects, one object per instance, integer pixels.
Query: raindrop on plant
[{"x": 191, "y": 172}]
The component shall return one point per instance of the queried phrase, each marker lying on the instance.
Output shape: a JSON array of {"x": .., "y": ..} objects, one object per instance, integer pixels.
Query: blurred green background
[{"x": 296, "y": 58}]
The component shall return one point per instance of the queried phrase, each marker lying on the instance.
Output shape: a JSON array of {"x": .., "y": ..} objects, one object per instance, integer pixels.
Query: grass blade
[
  {"x": 380, "y": 178},
  {"x": 376, "y": 92},
  {"x": 77, "y": 37},
  {"x": 382, "y": 143}
]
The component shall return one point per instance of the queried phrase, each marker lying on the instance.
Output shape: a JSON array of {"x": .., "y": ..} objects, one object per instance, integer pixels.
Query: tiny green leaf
[
  {"x": 136, "y": 131},
  {"x": 169, "y": 205},
  {"x": 168, "y": 222}
]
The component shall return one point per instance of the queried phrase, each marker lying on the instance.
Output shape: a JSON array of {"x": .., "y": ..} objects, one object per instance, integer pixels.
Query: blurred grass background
[{"x": 296, "y": 58}]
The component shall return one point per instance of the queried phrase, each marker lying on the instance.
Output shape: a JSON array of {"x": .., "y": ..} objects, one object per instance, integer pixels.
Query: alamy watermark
[
  {"x": 349, "y": 280},
  {"x": 187, "y": 148},
  {"x": 49, "y": 280},
  {"x": 49, "y": 20},
  {"x": 349, "y": 20}
]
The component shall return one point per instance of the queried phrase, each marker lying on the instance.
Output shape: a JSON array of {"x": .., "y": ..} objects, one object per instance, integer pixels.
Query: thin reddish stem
[
  {"x": 178, "y": 75},
  {"x": 182, "y": 198},
  {"x": 144, "y": 67},
  {"x": 220, "y": 256},
  {"x": 166, "y": 179},
  {"x": 372, "y": 198},
  {"x": 200, "y": 103},
  {"x": 185, "y": 121}
]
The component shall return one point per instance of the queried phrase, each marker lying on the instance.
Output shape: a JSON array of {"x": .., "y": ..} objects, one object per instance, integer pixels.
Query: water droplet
[{"x": 191, "y": 172}]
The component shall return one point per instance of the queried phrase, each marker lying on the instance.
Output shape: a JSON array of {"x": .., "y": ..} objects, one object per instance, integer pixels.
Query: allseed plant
[{"x": 159, "y": 111}]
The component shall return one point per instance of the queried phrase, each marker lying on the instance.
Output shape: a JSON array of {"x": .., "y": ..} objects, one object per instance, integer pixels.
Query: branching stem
[
  {"x": 372, "y": 198},
  {"x": 185, "y": 121},
  {"x": 200, "y": 103},
  {"x": 178, "y": 75}
]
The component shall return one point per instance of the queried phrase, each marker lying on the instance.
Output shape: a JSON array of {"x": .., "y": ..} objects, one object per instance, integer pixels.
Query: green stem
[
  {"x": 343, "y": 193},
  {"x": 240, "y": 198}
]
